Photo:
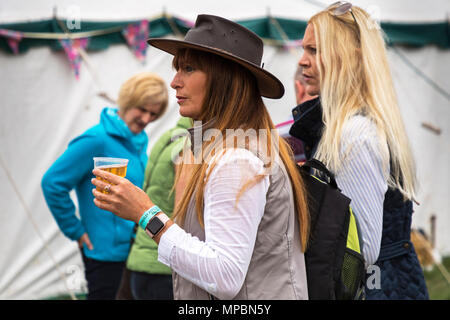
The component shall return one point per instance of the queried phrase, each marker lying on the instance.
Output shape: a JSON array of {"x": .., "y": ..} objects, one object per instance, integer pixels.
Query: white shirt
[
  {"x": 363, "y": 178},
  {"x": 219, "y": 264}
]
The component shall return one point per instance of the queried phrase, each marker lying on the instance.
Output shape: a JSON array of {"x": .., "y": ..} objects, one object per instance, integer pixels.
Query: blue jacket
[{"x": 109, "y": 234}]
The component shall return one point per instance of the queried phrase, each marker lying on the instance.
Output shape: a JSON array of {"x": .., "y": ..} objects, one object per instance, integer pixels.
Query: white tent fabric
[
  {"x": 43, "y": 107},
  {"x": 396, "y": 11}
]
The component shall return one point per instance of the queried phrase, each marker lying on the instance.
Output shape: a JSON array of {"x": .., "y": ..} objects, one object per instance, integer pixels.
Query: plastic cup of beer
[{"x": 117, "y": 166}]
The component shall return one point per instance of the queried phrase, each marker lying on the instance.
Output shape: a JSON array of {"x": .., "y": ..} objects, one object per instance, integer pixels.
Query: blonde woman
[
  {"x": 103, "y": 238},
  {"x": 241, "y": 226},
  {"x": 356, "y": 129}
]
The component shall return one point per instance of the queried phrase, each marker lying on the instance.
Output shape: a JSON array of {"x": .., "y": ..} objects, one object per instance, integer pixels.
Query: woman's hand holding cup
[{"x": 124, "y": 199}]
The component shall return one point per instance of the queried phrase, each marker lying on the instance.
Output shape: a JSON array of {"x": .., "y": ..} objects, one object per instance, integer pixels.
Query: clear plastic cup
[{"x": 117, "y": 166}]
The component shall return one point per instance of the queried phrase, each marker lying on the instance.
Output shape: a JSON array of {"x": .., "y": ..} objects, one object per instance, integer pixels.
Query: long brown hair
[{"x": 233, "y": 101}]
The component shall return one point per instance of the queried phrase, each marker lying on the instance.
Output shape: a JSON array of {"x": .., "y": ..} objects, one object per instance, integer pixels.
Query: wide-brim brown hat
[{"x": 231, "y": 41}]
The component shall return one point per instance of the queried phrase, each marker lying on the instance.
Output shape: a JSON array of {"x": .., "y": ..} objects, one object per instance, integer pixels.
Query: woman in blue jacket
[{"x": 104, "y": 239}]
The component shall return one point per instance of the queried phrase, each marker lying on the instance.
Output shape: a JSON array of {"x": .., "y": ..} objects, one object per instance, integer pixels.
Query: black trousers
[
  {"x": 103, "y": 278},
  {"x": 145, "y": 286}
]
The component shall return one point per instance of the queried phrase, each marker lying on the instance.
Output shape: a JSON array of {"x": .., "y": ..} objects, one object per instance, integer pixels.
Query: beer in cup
[{"x": 116, "y": 166}]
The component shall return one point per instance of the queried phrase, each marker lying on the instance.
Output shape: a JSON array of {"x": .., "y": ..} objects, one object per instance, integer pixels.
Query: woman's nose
[
  {"x": 176, "y": 81},
  {"x": 146, "y": 117},
  {"x": 303, "y": 62}
]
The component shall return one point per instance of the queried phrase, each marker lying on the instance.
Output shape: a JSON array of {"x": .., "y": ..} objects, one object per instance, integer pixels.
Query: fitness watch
[{"x": 156, "y": 224}]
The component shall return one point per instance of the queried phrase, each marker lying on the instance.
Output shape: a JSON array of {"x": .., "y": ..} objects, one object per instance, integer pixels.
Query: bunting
[
  {"x": 187, "y": 23},
  {"x": 279, "y": 32},
  {"x": 13, "y": 38},
  {"x": 136, "y": 35},
  {"x": 72, "y": 48},
  {"x": 292, "y": 44}
]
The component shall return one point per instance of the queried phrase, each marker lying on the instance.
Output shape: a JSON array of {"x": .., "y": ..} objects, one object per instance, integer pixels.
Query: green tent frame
[{"x": 276, "y": 31}]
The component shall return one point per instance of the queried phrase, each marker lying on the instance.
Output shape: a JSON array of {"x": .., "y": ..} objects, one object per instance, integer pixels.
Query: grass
[
  {"x": 67, "y": 297},
  {"x": 438, "y": 287}
]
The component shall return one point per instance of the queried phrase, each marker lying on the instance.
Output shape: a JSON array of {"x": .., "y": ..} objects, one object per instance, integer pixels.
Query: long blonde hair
[
  {"x": 355, "y": 78},
  {"x": 232, "y": 99}
]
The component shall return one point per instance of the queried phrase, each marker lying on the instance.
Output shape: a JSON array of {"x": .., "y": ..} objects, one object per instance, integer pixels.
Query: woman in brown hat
[{"x": 241, "y": 227}]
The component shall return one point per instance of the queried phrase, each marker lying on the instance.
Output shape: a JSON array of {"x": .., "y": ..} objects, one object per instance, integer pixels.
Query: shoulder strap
[{"x": 316, "y": 164}]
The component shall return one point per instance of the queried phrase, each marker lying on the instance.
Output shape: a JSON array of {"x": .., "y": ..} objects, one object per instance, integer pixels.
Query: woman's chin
[
  {"x": 312, "y": 91},
  {"x": 136, "y": 129},
  {"x": 185, "y": 113}
]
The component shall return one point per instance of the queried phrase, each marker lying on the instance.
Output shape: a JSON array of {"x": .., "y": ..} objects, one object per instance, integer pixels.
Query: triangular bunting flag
[
  {"x": 187, "y": 23},
  {"x": 292, "y": 44},
  {"x": 13, "y": 39},
  {"x": 71, "y": 48},
  {"x": 136, "y": 35}
]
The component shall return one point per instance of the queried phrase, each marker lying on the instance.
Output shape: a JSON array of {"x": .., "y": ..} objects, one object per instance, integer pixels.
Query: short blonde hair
[{"x": 142, "y": 89}]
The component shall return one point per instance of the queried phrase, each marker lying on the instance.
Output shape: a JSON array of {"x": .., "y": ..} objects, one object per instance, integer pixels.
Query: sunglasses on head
[{"x": 342, "y": 7}]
